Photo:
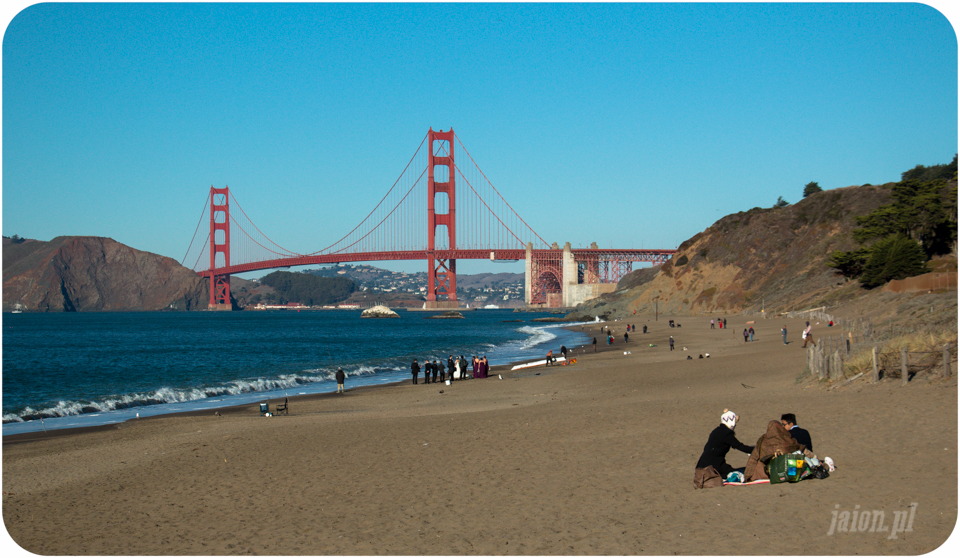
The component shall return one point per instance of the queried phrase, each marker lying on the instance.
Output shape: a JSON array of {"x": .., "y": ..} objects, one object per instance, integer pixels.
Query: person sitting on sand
[
  {"x": 714, "y": 454},
  {"x": 789, "y": 421}
]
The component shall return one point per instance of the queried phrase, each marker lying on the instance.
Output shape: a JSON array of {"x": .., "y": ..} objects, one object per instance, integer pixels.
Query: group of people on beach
[
  {"x": 722, "y": 322},
  {"x": 782, "y": 437},
  {"x": 456, "y": 369}
]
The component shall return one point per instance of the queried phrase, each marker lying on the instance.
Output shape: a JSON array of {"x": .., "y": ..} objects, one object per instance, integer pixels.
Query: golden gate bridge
[{"x": 441, "y": 209}]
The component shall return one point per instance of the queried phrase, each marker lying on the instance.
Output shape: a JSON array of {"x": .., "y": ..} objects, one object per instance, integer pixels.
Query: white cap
[{"x": 729, "y": 419}]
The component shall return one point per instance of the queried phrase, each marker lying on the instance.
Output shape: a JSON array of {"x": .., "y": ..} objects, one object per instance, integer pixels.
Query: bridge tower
[
  {"x": 441, "y": 273},
  {"x": 220, "y": 244}
]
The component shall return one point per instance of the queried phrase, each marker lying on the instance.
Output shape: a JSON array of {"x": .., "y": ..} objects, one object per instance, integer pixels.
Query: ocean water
[{"x": 66, "y": 370}]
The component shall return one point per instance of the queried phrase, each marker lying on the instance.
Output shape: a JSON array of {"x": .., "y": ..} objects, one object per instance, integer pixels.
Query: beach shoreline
[
  {"x": 25, "y": 437},
  {"x": 595, "y": 457}
]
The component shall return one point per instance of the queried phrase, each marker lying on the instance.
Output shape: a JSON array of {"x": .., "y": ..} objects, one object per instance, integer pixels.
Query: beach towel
[{"x": 758, "y": 481}]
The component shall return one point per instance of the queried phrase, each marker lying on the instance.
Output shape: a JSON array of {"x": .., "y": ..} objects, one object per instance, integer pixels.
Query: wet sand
[{"x": 592, "y": 458}]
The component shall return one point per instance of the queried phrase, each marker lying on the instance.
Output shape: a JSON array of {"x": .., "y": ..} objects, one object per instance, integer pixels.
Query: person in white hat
[{"x": 719, "y": 443}]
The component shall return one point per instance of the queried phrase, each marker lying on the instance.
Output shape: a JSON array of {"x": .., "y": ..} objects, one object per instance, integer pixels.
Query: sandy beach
[{"x": 595, "y": 457}]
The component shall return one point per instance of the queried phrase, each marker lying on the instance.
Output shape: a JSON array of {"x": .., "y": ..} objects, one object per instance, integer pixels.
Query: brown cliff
[
  {"x": 762, "y": 259},
  {"x": 84, "y": 273}
]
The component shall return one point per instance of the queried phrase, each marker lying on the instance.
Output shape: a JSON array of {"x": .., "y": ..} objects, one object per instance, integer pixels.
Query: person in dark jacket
[
  {"x": 789, "y": 421},
  {"x": 719, "y": 443},
  {"x": 427, "y": 370},
  {"x": 340, "y": 379},
  {"x": 415, "y": 369},
  {"x": 436, "y": 371}
]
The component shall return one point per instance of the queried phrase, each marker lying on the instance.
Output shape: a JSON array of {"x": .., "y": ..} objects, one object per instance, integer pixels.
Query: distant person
[
  {"x": 644, "y": 328},
  {"x": 746, "y": 335},
  {"x": 563, "y": 352},
  {"x": 789, "y": 421},
  {"x": 751, "y": 333},
  {"x": 550, "y": 358},
  {"x": 436, "y": 371},
  {"x": 783, "y": 332},
  {"x": 626, "y": 337},
  {"x": 340, "y": 379},
  {"x": 671, "y": 342},
  {"x": 594, "y": 344},
  {"x": 438, "y": 365},
  {"x": 415, "y": 369},
  {"x": 712, "y": 324},
  {"x": 450, "y": 367},
  {"x": 808, "y": 335}
]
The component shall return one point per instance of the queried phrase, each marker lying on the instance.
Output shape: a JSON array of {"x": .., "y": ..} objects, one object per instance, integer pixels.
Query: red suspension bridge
[{"x": 466, "y": 218}]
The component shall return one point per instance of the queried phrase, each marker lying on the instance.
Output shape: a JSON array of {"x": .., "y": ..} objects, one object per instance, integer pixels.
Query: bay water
[{"x": 68, "y": 370}]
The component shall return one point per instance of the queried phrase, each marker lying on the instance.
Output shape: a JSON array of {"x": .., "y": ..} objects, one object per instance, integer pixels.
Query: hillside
[
  {"x": 83, "y": 273},
  {"x": 772, "y": 260}
]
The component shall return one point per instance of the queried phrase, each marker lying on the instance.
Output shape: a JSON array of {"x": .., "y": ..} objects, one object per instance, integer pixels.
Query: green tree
[
  {"x": 781, "y": 202},
  {"x": 894, "y": 257},
  {"x": 811, "y": 188},
  {"x": 849, "y": 264}
]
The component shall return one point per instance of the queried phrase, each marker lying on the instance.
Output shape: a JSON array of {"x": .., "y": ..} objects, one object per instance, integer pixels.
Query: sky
[{"x": 629, "y": 125}]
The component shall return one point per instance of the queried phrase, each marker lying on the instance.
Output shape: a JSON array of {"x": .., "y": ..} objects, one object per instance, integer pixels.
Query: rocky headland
[{"x": 86, "y": 273}]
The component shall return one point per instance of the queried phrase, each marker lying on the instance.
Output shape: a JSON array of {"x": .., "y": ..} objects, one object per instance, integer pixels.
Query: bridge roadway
[{"x": 582, "y": 254}]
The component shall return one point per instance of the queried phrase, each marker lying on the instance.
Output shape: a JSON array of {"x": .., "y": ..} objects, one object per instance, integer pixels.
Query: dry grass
[{"x": 925, "y": 353}]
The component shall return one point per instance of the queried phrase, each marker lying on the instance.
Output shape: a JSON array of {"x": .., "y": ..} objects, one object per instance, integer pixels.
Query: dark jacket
[
  {"x": 340, "y": 376},
  {"x": 716, "y": 448},
  {"x": 801, "y": 436}
]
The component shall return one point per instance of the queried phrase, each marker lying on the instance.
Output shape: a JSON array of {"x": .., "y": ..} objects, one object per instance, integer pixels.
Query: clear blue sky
[{"x": 629, "y": 125}]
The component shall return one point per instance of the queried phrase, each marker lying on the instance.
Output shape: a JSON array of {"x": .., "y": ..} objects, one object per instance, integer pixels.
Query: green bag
[{"x": 790, "y": 467}]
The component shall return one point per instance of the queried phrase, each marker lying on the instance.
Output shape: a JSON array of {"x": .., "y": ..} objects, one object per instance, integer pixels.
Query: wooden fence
[{"x": 825, "y": 360}]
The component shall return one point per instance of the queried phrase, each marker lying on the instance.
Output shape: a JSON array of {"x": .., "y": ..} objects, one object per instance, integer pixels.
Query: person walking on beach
[
  {"x": 644, "y": 328},
  {"x": 746, "y": 335},
  {"x": 712, "y": 324},
  {"x": 415, "y": 369},
  {"x": 671, "y": 342},
  {"x": 751, "y": 333},
  {"x": 626, "y": 337},
  {"x": 594, "y": 344},
  {"x": 808, "y": 336},
  {"x": 340, "y": 378},
  {"x": 783, "y": 332}
]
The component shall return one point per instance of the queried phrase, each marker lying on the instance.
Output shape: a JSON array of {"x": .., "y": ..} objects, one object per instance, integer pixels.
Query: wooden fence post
[
  {"x": 946, "y": 360},
  {"x": 903, "y": 366},
  {"x": 876, "y": 369}
]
